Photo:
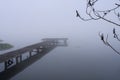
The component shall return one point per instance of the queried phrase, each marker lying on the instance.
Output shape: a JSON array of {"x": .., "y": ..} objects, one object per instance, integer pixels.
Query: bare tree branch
[
  {"x": 98, "y": 14},
  {"x": 107, "y": 43},
  {"x": 94, "y": 14}
]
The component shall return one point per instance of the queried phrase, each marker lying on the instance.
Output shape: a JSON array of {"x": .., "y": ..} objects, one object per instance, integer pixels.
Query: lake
[{"x": 80, "y": 60}]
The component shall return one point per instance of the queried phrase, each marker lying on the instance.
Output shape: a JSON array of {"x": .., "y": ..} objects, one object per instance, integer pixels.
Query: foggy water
[
  {"x": 85, "y": 58},
  {"x": 81, "y": 60},
  {"x": 25, "y": 22},
  {"x": 76, "y": 62}
]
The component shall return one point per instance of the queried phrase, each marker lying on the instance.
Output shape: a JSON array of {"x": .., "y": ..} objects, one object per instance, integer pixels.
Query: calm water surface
[
  {"x": 81, "y": 60},
  {"x": 85, "y": 57}
]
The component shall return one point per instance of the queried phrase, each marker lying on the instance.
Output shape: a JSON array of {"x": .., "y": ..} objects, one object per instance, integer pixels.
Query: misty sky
[
  {"x": 38, "y": 16},
  {"x": 36, "y": 19}
]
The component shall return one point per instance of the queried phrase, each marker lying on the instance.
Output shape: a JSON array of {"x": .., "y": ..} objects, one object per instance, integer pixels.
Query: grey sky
[
  {"x": 34, "y": 19},
  {"x": 37, "y": 14}
]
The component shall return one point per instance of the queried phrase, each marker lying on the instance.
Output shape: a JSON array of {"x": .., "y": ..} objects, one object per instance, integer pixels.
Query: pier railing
[{"x": 13, "y": 61}]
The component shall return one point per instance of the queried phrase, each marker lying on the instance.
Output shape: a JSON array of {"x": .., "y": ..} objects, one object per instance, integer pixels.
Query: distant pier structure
[
  {"x": 56, "y": 41},
  {"x": 13, "y": 61}
]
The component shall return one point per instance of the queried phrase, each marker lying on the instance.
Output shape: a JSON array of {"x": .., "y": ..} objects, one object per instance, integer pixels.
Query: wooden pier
[
  {"x": 13, "y": 60},
  {"x": 19, "y": 67}
]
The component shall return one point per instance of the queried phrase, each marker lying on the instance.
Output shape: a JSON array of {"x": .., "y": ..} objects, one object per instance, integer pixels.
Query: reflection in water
[{"x": 12, "y": 71}]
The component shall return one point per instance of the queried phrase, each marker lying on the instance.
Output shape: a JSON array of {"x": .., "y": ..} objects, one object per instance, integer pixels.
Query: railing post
[
  {"x": 5, "y": 65},
  {"x": 30, "y": 53},
  {"x": 20, "y": 58},
  {"x": 17, "y": 61}
]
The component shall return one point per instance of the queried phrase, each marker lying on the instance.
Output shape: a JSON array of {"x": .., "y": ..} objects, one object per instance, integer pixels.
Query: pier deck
[
  {"x": 14, "y": 63},
  {"x": 16, "y": 53}
]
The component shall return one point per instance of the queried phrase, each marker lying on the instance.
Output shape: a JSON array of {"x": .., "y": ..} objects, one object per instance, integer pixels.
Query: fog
[
  {"x": 32, "y": 20},
  {"x": 25, "y": 22}
]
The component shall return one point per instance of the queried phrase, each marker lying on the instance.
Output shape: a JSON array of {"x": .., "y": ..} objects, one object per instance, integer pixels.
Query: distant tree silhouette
[
  {"x": 5, "y": 46},
  {"x": 94, "y": 14}
]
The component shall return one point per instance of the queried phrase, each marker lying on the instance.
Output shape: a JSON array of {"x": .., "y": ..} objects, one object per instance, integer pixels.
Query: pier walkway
[{"x": 13, "y": 61}]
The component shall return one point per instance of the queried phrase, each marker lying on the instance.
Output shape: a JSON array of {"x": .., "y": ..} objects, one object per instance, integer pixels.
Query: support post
[
  {"x": 30, "y": 53},
  {"x": 20, "y": 58},
  {"x": 17, "y": 61},
  {"x": 5, "y": 65},
  {"x": 37, "y": 50}
]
